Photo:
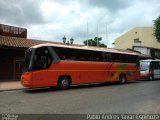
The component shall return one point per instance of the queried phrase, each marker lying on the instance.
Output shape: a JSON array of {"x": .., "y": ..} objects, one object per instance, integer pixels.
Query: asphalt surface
[{"x": 134, "y": 97}]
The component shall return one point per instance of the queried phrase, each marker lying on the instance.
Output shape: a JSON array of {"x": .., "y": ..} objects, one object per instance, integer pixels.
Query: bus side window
[
  {"x": 80, "y": 55},
  {"x": 95, "y": 56},
  {"x": 123, "y": 58},
  {"x": 64, "y": 53},
  {"x": 109, "y": 57},
  {"x": 151, "y": 66},
  {"x": 105, "y": 57},
  {"x": 129, "y": 59},
  {"x": 59, "y": 52},
  {"x": 83, "y": 55},
  {"x": 63, "y": 57},
  {"x": 70, "y": 54},
  {"x": 156, "y": 65},
  {"x": 115, "y": 57},
  {"x": 132, "y": 59}
]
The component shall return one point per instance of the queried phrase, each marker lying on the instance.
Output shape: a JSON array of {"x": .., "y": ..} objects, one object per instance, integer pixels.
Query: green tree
[
  {"x": 157, "y": 28},
  {"x": 93, "y": 42}
]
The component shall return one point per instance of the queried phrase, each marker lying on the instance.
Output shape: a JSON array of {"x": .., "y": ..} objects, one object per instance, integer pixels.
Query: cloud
[
  {"x": 18, "y": 12},
  {"x": 52, "y": 19},
  {"x": 111, "y": 5}
]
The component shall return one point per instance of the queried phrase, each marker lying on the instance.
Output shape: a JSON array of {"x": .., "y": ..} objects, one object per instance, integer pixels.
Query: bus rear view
[{"x": 150, "y": 69}]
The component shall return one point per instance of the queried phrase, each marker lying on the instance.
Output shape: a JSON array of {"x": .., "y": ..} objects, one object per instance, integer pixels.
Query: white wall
[{"x": 145, "y": 51}]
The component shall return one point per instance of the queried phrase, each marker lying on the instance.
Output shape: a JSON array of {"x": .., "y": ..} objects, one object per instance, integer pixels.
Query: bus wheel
[
  {"x": 122, "y": 79},
  {"x": 151, "y": 77},
  {"x": 64, "y": 82}
]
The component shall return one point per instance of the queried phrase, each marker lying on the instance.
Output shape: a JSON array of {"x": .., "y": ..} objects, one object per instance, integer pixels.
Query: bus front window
[
  {"x": 27, "y": 61},
  {"x": 42, "y": 59},
  {"x": 144, "y": 66}
]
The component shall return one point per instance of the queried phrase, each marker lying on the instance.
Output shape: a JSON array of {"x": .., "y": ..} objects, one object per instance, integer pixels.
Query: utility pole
[
  {"x": 87, "y": 32},
  {"x": 106, "y": 35},
  {"x": 97, "y": 36}
]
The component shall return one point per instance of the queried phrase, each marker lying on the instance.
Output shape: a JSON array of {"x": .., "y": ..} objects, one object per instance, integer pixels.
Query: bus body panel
[
  {"x": 144, "y": 74},
  {"x": 44, "y": 66},
  {"x": 26, "y": 79},
  {"x": 129, "y": 70},
  {"x": 83, "y": 73},
  {"x": 156, "y": 73},
  {"x": 44, "y": 78}
]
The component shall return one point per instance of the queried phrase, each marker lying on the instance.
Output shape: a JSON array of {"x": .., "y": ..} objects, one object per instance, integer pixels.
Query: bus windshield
[
  {"x": 144, "y": 65},
  {"x": 42, "y": 59},
  {"x": 27, "y": 61},
  {"x": 37, "y": 59}
]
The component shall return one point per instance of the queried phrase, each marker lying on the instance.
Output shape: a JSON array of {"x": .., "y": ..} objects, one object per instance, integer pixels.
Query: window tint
[
  {"x": 27, "y": 61},
  {"x": 106, "y": 57},
  {"x": 65, "y": 53},
  {"x": 83, "y": 55},
  {"x": 156, "y": 65},
  {"x": 88, "y": 55},
  {"x": 128, "y": 58},
  {"x": 115, "y": 57},
  {"x": 42, "y": 59}
]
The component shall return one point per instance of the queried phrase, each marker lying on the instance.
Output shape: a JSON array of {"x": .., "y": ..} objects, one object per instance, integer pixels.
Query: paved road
[{"x": 133, "y": 97}]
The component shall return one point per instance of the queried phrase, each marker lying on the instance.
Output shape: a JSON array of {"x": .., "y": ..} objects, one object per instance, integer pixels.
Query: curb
[{"x": 3, "y": 90}]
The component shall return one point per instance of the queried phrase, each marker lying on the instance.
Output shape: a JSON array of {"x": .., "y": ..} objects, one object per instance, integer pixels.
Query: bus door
[{"x": 156, "y": 69}]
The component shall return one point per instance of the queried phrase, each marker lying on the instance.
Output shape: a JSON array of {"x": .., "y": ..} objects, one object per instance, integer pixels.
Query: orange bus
[{"x": 48, "y": 65}]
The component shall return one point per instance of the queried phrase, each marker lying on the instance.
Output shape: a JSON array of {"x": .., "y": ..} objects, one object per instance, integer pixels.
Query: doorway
[{"x": 17, "y": 68}]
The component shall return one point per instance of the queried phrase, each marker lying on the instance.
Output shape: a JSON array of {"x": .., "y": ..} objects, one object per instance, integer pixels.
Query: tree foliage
[
  {"x": 93, "y": 42},
  {"x": 157, "y": 29}
]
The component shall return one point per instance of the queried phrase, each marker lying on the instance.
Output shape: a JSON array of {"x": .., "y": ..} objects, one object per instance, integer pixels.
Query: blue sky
[{"x": 52, "y": 19}]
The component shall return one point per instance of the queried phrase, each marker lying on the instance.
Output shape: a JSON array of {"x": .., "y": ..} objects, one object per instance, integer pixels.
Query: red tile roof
[
  {"x": 6, "y": 41},
  {"x": 20, "y": 42}
]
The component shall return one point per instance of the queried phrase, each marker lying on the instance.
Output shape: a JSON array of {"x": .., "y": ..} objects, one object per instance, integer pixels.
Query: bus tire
[
  {"x": 151, "y": 78},
  {"x": 64, "y": 82},
  {"x": 122, "y": 79}
]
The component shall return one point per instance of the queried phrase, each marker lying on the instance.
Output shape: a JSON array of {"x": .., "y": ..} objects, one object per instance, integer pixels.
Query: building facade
[
  {"x": 13, "y": 43},
  {"x": 140, "y": 39},
  {"x": 12, "y": 51}
]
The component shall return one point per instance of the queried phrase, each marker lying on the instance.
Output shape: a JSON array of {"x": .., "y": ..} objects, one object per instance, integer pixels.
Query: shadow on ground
[{"x": 77, "y": 87}]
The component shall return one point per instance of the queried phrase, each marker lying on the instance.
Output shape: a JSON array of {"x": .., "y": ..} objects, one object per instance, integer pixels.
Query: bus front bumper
[
  {"x": 144, "y": 76},
  {"x": 26, "y": 80}
]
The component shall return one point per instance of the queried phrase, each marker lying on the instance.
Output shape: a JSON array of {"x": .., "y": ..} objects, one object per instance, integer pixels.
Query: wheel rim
[
  {"x": 123, "y": 79},
  {"x": 151, "y": 78},
  {"x": 65, "y": 83}
]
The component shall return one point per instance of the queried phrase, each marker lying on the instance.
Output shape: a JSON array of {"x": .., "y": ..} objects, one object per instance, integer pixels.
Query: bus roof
[
  {"x": 86, "y": 48},
  {"x": 149, "y": 60}
]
